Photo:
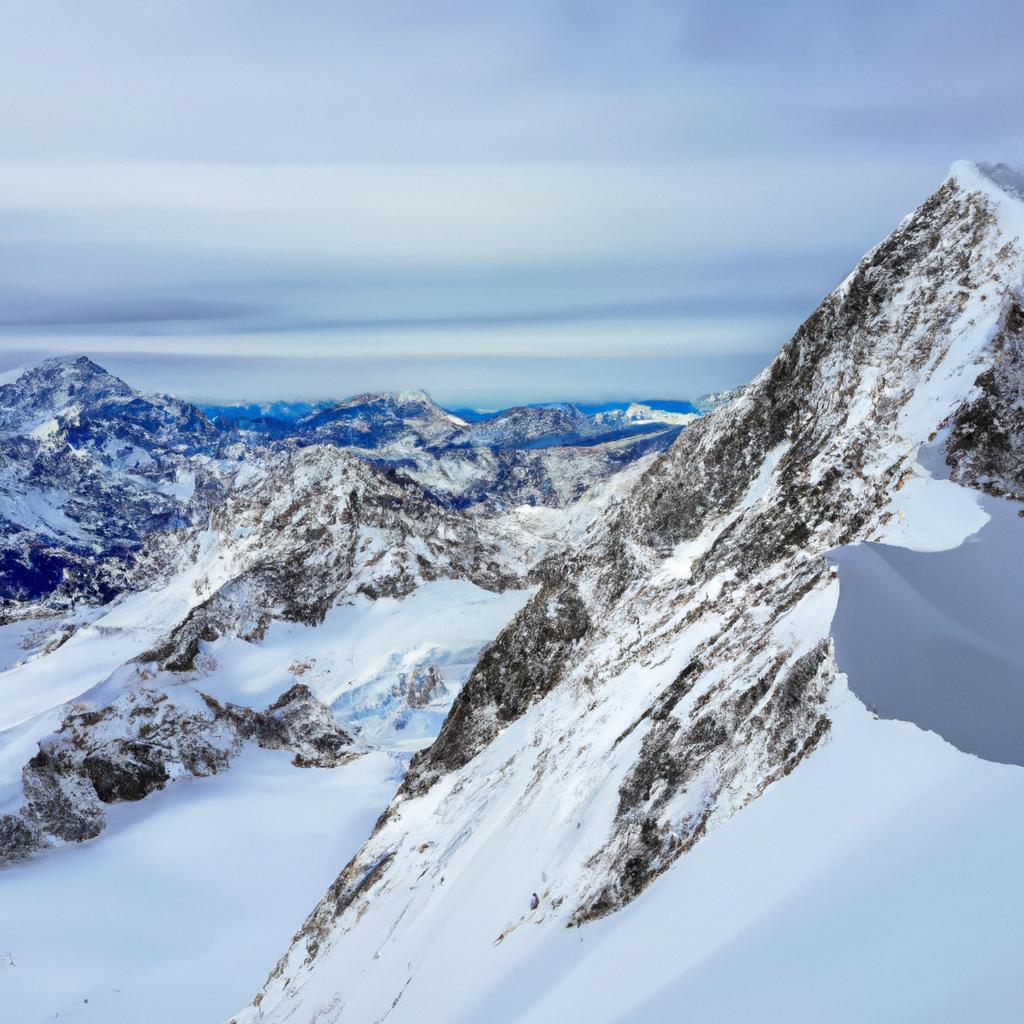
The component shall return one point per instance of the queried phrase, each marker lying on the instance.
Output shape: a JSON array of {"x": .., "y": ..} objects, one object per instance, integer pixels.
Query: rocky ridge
[
  {"x": 152, "y": 733},
  {"x": 677, "y": 661}
]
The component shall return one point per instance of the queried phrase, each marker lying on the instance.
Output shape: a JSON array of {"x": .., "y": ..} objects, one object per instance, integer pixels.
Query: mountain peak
[
  {"x": 51, "y": 389},
  {"x": 677, "y": 659},
  {"x": 410, "y": 396},
  {"x": 70, "y": 365}
]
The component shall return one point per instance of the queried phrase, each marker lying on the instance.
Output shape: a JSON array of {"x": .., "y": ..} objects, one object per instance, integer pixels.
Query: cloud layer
[{"x": 666, "y": 182}]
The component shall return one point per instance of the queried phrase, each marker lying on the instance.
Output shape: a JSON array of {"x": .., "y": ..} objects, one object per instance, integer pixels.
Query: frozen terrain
[
  {"x": 529, "y": 717},
  {"x": 306, "y": 576},
  {"x": 935, "y": 637},
  {"x": 174, "y": 913},
  {"x": 662, "y": 747},
  {"x": 877, "y": 882}
]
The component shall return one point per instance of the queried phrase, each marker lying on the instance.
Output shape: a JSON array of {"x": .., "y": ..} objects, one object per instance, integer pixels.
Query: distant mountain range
[
  {"x": 92, "y": 467},
  {"x": 290, "y": 418}
]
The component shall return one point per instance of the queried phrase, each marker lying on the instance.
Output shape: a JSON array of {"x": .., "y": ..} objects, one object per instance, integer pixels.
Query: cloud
[
  {"x": 487, "y": 382},
  {"x": 539, "y": 80},
  {"x": 547, "y": 179},
  {"x": 571, "y": 260}
]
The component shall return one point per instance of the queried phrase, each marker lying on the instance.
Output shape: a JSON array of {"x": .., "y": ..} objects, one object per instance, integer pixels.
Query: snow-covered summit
[
  {"x": 54, "y": 388},
  {"x": 72, "y": 393},
  {"x": 383, "y": 419},
  {"x": 1002, "y": 184}
]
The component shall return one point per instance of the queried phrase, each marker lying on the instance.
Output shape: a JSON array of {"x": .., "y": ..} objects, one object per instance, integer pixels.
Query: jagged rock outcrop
[
  {"x": 517, "y": 670},
  {"x": 420, "y": 687},
  {"x": 321, "y": 526},
  {"x": 296, "y": 721},
  {"x": 678, "y": 660},
  {"x": 985, "y": 443},
  {"x": 151, "y": 734}
]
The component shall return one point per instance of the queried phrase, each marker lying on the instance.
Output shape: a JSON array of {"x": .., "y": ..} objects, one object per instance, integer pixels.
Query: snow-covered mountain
[
  {"x": 412, "y": 420},
  {"x": 314, "y": 614},
  {"x": 187, "y": 599},
  {"x": 606, "y": 656},
  {"x": 529, "y": 425},
  {"x": 89, "y": 468},
  {"x": 75, "y": 396},
  {"x": 377, "y": 421},
  {"x": 655, "y": 795},
  {"x": 92, "y": 472},
  {"x": 297, "y": 532}
]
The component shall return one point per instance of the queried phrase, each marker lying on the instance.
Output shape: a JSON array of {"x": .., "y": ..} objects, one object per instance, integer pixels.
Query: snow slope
[
  {"x": 174, "y": 911},
  {"x": 186, "y": 895},
  {"x": 354, "y": 659},
  {"x": 141, "y": 925},
  {"x": 946, "y": 650},
  {"x": 876, "y": 882}
]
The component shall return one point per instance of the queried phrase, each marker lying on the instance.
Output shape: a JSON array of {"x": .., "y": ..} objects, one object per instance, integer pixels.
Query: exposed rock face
[
  {"x": 786, "y": 705},
  {"x": 296, "y": 721},
  {"x": 420, "y": 687},
  {"x": 319, "y": 527},
  {"x": 679, "y": 656},
  {"x": 796, "y": 421},
  {"x": 514, "y": 672},
  {"x": 149, "y": 736},
  {"x": 985, "y": 445}
]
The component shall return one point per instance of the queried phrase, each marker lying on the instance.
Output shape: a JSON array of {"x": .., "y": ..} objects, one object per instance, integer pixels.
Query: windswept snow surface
[
  {"x": 935, "y": 637},
  {"x": 878, "y": 882},
  {"x": 174, "y": 913}
]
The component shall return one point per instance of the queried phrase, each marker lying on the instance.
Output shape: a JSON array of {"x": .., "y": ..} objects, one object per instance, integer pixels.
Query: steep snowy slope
[
  {"x": 676, "y": 663},
  {"x": 204, "y": 882}
]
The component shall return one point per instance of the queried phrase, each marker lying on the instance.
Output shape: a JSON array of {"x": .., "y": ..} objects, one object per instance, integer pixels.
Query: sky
[{"x": 497, "y": 202}]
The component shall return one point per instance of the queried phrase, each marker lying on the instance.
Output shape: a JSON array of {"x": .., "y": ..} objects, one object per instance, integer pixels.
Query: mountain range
[{"x": 559, "y": 714}]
